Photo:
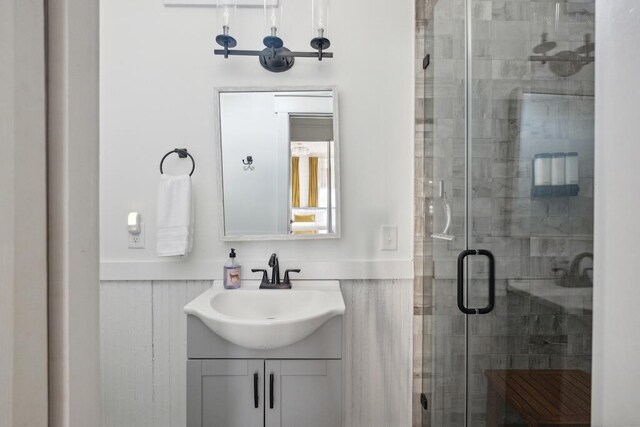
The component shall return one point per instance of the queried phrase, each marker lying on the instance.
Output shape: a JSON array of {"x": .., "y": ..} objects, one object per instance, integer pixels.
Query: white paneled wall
[
  {"x": 377, "y": 353},
  {"x": 170, "y": 349},
  {"x": 126, "y": 359},
  {"x": 143, "y": 346}
]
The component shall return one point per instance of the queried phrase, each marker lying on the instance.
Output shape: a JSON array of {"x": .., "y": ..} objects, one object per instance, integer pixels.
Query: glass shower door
[{"x": 512, "y": 177}]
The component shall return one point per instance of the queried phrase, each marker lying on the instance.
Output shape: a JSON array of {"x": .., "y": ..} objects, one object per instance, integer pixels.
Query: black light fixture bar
[
  {"x": 275, "y": 57},
  {"x": 546, "y": 58},
  {"x": 239, "y": 52}
]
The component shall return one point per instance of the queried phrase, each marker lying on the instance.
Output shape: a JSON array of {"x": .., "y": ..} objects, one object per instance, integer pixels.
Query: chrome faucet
[
  {"x": 275, "y": 275},
  {"x": 574, "y": 277}
]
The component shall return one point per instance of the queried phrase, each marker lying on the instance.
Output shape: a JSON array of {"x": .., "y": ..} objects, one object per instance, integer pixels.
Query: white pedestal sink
[{"x": 265, "y": 319}]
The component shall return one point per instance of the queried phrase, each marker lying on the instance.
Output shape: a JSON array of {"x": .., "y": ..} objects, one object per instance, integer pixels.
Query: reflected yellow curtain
[
  {"x": 295, "y": 182},
  {"x": 313, "y": 182}
]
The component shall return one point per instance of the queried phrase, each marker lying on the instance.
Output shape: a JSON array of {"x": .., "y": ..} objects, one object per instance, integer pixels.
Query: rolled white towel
[{"x": 175, "y": 216}]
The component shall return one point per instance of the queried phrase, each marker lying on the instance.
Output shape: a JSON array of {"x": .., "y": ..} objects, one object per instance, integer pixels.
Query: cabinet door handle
[
  {"x": 271, "y": 380},
  {"x": 256, "y": 396}
]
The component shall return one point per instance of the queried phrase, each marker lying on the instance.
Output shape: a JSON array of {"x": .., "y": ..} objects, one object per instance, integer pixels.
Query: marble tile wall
[{"x": 532, "y": 238}]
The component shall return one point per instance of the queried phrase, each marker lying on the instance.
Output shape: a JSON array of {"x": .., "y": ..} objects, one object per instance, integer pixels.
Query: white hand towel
[{"x": 175, "y": 216}]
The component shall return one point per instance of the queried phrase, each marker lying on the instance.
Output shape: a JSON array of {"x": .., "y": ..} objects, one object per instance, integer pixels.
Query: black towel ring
[{"x": 182, "y": 153}]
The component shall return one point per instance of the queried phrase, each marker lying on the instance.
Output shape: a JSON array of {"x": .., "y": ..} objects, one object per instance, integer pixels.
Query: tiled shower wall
[{"x": 532, "y": 238}]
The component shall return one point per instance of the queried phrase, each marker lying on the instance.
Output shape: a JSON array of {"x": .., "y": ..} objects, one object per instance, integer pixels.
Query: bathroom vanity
[{"x": 297, "y": 383}]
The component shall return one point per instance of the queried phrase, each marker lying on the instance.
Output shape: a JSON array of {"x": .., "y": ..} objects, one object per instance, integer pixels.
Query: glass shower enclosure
[{"x": 509, "y": 154}]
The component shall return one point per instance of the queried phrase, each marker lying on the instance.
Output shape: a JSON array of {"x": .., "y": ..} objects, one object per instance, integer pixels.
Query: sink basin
[{"x": 265, "y": 319}]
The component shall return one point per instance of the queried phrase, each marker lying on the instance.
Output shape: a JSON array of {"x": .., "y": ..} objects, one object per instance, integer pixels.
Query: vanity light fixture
[
  {"x": 567, "y": 62},
  {"x": 275, "y": 57}
]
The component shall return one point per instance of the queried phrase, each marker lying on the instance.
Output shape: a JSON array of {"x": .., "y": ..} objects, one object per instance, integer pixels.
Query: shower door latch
[
  {"x": 492, "y": 282},
  {"x": 426, "y": 61},
  {"x": 423, "y": 401}
]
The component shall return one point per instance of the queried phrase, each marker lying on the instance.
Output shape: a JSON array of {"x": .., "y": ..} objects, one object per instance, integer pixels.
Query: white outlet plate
[
  {"x": 389, "y": 235},
  {"x": 136, "y": 241}
]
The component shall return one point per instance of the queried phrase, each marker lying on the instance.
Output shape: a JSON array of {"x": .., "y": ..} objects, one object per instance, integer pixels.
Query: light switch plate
[{"x": 389, "y": 235}]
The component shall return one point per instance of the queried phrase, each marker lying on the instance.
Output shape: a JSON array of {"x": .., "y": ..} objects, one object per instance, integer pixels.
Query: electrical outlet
[
  {"x": 389, "y": 235},
  {"x": 136, "y": 241}
]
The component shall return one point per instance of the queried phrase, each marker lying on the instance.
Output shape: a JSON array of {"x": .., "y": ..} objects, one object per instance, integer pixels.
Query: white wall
[
  {"x": 616, "y": 361},
  {"x": 158, "y": 75}
]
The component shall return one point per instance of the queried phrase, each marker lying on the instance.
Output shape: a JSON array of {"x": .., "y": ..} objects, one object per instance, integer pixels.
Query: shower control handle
[{"x": 492, "y": 282}]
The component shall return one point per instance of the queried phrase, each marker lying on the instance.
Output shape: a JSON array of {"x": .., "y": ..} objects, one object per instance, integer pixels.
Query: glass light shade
[
  {"x": 226, "y": 11},
  {"x": 272, "y": 15},
  {"x": 543, "y": 19},
  {"x": 320, "y": 18}
]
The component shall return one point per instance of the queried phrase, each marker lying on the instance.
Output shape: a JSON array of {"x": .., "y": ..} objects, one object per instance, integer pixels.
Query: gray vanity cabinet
[
  {"x": 303, "y": 393},
  {"x": 225, "y": 393},
  {"x": 264, "y": 393},
  {"x": 295, "y": 386}
]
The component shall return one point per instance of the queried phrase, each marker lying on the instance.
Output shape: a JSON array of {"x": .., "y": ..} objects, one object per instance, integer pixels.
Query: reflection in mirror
[
  {"x": 279, "y": 164},
  {"x": 311, "y": 143}
]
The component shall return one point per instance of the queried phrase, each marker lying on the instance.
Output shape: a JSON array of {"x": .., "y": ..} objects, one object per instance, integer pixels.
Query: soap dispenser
[{"x": 231, "y": 277}]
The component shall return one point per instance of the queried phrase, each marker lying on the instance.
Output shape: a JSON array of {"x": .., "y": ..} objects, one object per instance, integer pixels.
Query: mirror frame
[{"x": 220, "y": 175}]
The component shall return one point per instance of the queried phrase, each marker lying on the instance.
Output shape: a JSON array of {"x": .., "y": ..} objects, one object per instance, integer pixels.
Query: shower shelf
[{"x": 554, "y": 190}]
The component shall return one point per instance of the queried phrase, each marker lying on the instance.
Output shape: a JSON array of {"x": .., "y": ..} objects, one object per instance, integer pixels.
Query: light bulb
[
  {"x": 225, "y": 17},
  {"x": 320, "y": 18},
  {"x": 272, "y": 16},
  {"x": 225, "y": 14}
]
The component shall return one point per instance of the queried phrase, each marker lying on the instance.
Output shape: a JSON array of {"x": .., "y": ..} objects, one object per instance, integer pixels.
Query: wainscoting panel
[
  {"x": 170, "y": 349},
  {"x": 126, "y": 349},
  {"x": 377, "y": 355},
  {"x": 143, "y": 339}
]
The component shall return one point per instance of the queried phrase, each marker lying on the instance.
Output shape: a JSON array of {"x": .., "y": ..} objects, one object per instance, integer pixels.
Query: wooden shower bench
[{"x": 542, "y": 397}]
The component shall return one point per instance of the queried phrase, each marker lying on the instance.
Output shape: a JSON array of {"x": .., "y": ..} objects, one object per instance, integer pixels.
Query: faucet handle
[
  {"x": 286, "y": 280},
  {"x": 265, "y": 275}
]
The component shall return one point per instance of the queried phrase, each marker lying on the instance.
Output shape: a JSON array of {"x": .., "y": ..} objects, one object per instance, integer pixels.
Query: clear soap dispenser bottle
[{"x": 231, "y": 278}]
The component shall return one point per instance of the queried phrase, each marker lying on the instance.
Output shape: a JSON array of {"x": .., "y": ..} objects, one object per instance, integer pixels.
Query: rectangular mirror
[{"x": 279, "y": 170}]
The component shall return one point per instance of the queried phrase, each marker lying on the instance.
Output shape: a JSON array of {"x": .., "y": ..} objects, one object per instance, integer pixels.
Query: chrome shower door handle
[{"x": 492, "y": 282}]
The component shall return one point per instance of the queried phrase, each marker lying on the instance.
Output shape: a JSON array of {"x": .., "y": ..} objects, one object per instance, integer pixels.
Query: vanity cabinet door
[
  {"x": 225, "y": 393},
  {"x": 303, "y": 393}
]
